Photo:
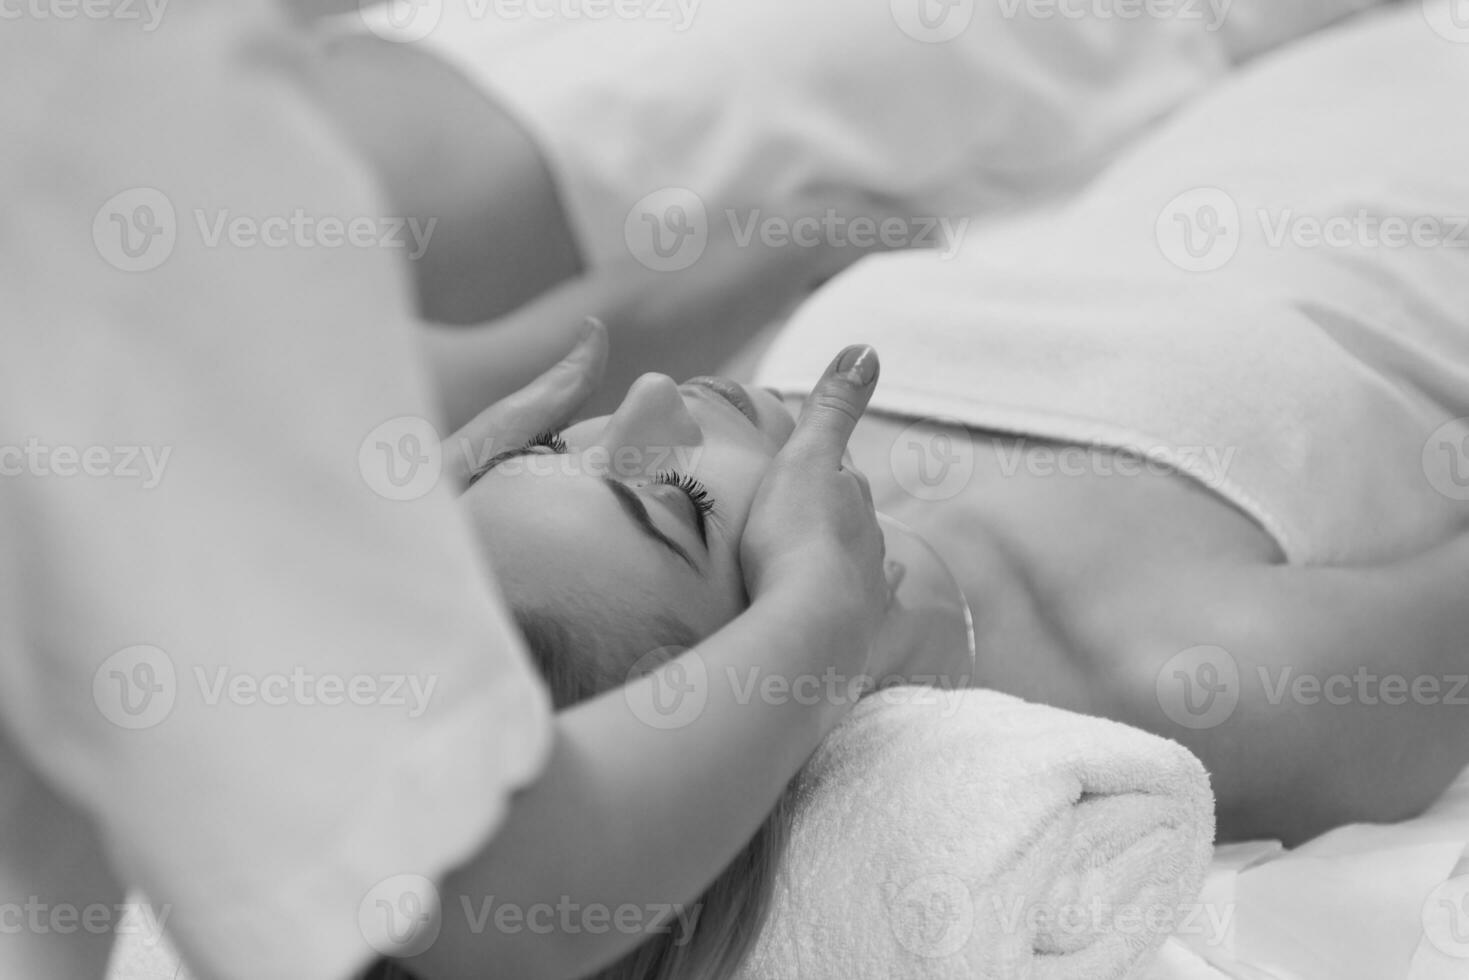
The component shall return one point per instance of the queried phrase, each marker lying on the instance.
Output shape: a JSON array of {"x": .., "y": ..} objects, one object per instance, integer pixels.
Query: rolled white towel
[{"x": 948, "y": 834}]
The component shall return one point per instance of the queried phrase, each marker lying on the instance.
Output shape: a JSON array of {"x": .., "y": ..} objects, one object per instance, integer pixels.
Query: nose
[{"x": 652, "y": 416}]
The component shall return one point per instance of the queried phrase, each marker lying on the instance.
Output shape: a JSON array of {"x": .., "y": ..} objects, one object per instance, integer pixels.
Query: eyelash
[
  {"x": 550, "y": 440},
  {"x": 698, "y": 494}
]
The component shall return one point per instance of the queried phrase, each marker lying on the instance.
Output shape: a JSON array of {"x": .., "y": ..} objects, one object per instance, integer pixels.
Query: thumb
[
  {"x": 548, "y": 402},
  {"x": 835, "y": 406}
]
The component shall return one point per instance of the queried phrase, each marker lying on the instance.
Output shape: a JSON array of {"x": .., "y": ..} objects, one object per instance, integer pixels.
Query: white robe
[{"x": 235, "y": 673}]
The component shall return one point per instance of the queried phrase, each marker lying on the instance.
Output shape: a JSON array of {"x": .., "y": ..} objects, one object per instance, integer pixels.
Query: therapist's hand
[
  {"x": 549, "y": 402},
  {"x": 812, "y": 531}
]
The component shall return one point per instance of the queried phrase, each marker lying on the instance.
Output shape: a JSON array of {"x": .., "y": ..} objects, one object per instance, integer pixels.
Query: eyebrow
[{"x": 633, "y": 505}]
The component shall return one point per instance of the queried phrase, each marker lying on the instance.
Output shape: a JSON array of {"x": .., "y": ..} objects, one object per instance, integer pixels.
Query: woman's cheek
[{"x": 737, "y": 483}]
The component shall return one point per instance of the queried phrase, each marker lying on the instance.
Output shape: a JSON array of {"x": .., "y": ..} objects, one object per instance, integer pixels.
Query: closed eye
[
  {"x": 702, "y": 505},
  {"x": 548, "y": 440},
  {"x": 699, "y": 498}
]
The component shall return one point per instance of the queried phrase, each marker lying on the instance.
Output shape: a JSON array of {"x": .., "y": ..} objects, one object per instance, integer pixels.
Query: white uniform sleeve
[
  {"x": 668, "y": 123},
  {"x": 242, "y": 631}
]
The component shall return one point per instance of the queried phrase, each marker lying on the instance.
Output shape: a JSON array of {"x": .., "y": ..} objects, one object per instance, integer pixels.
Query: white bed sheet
[{"x": 1362, "y": 902}]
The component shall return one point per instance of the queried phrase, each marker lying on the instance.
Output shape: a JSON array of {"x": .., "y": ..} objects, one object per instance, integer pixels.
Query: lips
[{"x": 730, "y": 392}]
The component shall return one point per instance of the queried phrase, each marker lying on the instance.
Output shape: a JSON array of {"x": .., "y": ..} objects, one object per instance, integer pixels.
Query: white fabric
[
  {"x": 770, "y": 105},
  {"x": 1363, "y": 902},
  {"x": 1315, "y": 385},
  {"x": 258, "y": 553},
  {"x": 962, "y": 834}
]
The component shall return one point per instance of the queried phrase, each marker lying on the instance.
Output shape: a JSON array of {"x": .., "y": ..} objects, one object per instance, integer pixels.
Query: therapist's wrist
[{"x": 820, "y": 643}]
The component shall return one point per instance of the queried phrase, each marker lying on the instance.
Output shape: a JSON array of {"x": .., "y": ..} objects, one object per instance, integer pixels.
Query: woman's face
[{"x": 642, "y": 510}]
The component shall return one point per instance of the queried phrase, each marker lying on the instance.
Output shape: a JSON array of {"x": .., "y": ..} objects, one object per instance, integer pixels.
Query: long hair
[
  {"x": 729, "y": 915},
  {"x": 732, "y": 911}
]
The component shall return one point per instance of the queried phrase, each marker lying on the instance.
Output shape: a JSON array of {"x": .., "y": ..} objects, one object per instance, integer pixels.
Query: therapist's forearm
[
  {"x": 679, "y": 803},
  {"x": 444, "y": 152}
]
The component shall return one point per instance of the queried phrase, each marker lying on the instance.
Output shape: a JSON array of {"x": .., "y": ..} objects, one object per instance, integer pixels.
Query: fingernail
[
  {"x": 857, "y": 365},
  {"x": 581, "y": 350}
]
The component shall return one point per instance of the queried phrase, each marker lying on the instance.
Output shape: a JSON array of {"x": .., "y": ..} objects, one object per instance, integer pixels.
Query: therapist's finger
[
  {"x": 835, "y": 406},
  {"x": 549, "y": 402}
]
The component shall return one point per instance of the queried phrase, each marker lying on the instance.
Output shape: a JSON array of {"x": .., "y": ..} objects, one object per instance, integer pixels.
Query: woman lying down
[
  {"x": 1233, "y": 479},
  {"x": 1198, "y": 468}
]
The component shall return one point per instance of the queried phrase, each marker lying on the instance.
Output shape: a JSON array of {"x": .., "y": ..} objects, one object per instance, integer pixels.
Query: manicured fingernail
[
  {"x": 857, "y": 365},
  {"x": 582, "y": 349}
]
